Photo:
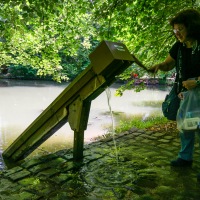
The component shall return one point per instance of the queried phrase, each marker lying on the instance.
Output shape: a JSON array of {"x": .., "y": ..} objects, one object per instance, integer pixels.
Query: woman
[{"x": 186, "y": 53}]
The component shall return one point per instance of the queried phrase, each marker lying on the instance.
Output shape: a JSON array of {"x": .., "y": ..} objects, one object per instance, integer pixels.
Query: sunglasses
[{"x": 179, "y": 30}]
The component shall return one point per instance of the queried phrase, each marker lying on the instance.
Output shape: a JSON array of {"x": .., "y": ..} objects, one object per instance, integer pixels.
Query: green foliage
[
  {"x": 19, "y": 71},
  {"x": 36, "y": 33},
  {"x": 73, "y": 65}
]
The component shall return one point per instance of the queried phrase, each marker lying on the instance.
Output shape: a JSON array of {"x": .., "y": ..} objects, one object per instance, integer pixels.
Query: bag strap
[{"x": 178, "y": 70}]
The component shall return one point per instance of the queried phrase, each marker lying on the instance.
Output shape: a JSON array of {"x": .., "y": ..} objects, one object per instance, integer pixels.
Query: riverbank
[{"x": 138, "y": 170}]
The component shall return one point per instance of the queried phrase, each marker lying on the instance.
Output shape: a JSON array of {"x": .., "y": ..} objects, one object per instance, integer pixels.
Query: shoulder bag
[{"x": 171, "y": 104}]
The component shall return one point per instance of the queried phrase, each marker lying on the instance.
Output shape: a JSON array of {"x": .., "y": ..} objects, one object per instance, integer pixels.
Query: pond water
[{"x": 21, "y": 102}]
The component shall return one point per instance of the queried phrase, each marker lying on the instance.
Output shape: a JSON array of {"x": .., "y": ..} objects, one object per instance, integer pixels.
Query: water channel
[{"x": 21, "y": 102}]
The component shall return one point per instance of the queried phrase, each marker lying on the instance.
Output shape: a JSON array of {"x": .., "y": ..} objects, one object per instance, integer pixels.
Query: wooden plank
[
  {"x": 42, "y": 134},
  {"x": 93, "y": 86}
]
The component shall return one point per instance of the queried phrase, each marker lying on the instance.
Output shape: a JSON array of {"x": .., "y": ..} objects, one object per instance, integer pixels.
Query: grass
[
  {"x": 137, "y": 121},
  {"x": 154, "y": 122},
  {"x": 155, "y": 104}
]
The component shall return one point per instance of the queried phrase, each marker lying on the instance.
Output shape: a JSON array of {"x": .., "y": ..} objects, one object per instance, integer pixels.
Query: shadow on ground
[{"x": 136, "y": 168}]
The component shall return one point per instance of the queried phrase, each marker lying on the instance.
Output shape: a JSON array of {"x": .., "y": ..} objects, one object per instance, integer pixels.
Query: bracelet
[{"x": 198, "y": 83}]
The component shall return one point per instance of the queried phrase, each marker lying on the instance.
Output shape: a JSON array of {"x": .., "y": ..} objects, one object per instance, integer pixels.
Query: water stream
[{"x": 108, "y": 92}]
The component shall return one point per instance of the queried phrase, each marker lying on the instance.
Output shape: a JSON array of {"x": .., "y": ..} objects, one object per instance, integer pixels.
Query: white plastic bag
[{"x": 188, "y": 116}]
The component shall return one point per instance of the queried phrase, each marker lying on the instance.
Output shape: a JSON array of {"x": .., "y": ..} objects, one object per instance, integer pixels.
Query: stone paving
[{"x": 137, "y": 168}]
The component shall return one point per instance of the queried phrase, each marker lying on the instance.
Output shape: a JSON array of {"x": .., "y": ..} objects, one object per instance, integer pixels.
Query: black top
[{"x": 190, "y": 61}]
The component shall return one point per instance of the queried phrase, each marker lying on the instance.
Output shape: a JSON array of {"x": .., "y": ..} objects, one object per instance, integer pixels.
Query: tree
[{"x": 35, "y": 33}]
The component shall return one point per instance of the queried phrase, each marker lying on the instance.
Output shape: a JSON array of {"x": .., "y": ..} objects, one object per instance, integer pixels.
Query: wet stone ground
[{"x": 139, "y": 170}]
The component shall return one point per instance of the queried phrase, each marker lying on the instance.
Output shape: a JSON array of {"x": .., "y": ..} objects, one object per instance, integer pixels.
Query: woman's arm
[{"x": 167, "y": 65}]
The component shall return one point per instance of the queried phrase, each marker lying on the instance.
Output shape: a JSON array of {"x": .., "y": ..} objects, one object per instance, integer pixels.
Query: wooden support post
[
  {"x": 78, "y": 145},
  {"x": 78, "y": 119}
]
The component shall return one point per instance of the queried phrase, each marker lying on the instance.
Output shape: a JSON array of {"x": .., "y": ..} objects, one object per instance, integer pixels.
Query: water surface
[{"x": 21, "y": 102}]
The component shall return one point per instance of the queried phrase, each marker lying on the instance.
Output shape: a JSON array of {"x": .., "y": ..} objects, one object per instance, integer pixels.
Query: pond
[{"x": 22, "y": 102}]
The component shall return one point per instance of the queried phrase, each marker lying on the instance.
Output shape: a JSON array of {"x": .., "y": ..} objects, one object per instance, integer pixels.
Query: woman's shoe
[{"x": 181, "y": 163}]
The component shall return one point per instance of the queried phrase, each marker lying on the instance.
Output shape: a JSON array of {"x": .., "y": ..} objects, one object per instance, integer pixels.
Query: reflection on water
[{"x": 22, "y": 101}]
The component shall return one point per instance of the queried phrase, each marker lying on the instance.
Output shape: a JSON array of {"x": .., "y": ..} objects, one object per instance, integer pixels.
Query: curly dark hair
[{"x": 190, "y": 18}]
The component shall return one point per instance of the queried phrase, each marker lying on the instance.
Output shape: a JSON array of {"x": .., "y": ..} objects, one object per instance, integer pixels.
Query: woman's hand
[
  {"x": 180, "y": 95},
  {"x": 189, "y": 84},
  {"x": 167, "y": 65}
]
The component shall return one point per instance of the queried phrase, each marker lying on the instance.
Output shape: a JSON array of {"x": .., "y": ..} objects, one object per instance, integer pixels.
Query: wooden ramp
[{"x": 73, "y": 104}]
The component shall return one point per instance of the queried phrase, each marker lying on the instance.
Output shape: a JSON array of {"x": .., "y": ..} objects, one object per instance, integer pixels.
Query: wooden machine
[{"x": 108, "y": 60}]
